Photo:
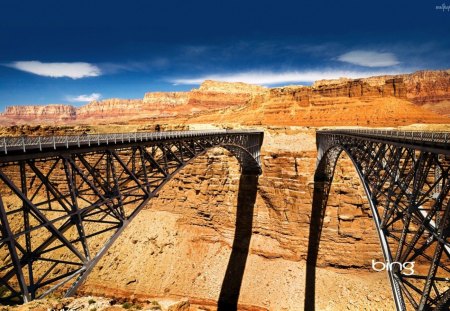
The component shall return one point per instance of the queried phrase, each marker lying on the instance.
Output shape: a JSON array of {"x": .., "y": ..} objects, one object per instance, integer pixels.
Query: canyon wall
[
  {"x": 164, "y": 100},
  {"x": 428, "y": 88},
  {"x": 109, "y": 108},
  {"x": 346, "y": 103},
  {"x": 40, "y": 113},
  {"x": 293, "y": 105},
  {"x": 419, "y": 87},
  {"x": 180, "y": 245},
  {"x": 211, "y": 95},
  {"x": 216, "y": 95},
  {"x": 360, "y": 87}
]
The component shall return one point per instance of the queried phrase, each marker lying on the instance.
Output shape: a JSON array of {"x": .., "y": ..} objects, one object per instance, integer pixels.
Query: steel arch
[
  {"x": 70, "y": 189},
  {"x": 406, "y": 179}
]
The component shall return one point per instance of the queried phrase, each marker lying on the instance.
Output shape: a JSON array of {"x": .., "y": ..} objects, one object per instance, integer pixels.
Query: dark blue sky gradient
[{"x": 152, "y": 45}]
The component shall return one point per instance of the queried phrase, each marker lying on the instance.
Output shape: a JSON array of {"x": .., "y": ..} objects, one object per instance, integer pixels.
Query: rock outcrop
[
  {"x": 110, "y": 108},
  {"x": 428, "y": 88},
  {"x": 301, "y": 106},
  {"x": 42, "y": 113},
  {"x": 360, "y": 87},
  {"x": 320, "y": 104},
  {"x": 211, "y": 95},
  {"x": 165, "y": 100},
  {"x": 216, "y": 95}
]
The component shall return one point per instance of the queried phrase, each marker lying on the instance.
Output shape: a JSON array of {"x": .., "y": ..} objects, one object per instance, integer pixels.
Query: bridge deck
[
  {"x": 421, "y": 140},
  {"x": 36, "y": 144}
]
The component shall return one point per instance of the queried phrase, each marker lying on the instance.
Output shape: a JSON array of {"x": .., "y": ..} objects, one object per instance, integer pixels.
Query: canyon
[{"x": 179, "y": 246}]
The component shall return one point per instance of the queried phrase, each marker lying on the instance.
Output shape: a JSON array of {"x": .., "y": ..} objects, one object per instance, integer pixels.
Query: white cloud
[
  {"x": 57, "y": 70},
  {"x": 271, "y": 78},
  {"x": 84, "y": 98},
  {"x": 369, "y": 58}
]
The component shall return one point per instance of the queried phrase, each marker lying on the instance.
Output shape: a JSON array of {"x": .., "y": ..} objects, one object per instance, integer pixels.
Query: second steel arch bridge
[{"x": 406, "y": 179}]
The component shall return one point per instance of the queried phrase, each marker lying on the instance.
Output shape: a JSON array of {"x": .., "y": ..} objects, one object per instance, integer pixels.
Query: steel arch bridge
[
  {"x": 58, "y": 193},
  {"x": 406, "y": 179}
]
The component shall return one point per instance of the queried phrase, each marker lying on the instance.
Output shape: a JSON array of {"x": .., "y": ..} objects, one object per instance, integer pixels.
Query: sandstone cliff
[
  {"x": 306, "y": 106},
  {"x": 430, "y": 88},
  {"x": 358, "y": 101},
  {"x": 419, "y": 87},
  {"x": 109, "y": 108},
  {"x": 215, "y": 95},
  {"x": 231, "y": 87},
  {"x": 42, "y": 113},
  {"x": 359, "y": 88},
  {"x": 165, "y": 99}
]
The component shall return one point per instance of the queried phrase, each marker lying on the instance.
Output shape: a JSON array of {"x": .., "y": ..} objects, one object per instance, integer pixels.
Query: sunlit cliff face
[{"x": 376, "y": 101}]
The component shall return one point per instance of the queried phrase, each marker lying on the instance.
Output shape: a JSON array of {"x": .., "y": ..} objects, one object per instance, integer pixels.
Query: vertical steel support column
[
  {"x": 76, "y": 218},
  {"x": 10, "y": 241}
]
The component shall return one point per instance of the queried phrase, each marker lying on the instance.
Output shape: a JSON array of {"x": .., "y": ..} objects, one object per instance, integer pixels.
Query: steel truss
[
  {"x": 64, "y": 201},
  {"x": 406, "y": 179}
]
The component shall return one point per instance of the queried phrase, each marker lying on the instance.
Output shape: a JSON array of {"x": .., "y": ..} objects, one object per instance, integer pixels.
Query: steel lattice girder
[
  {"x": 54, "y": 201},
  {"x": 407, "y": 183}
]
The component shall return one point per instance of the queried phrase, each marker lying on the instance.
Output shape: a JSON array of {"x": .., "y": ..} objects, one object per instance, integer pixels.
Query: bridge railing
[
  {"x": 41, "y": 142},
  {"x": 415, "y": 136}
]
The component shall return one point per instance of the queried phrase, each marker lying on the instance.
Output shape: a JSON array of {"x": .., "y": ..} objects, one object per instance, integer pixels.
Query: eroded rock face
[
  {"x": 360, "y": 87},
  {"x": 42, "y": 113},
  {"x": 181, "y": 243},
  {"x": 165, "y": 100},
  {"x": 293, "y": 106},
  {"x": 231, "y": 87},
  {"x": 428, "y": 86},
  {"x": 216, "y": 95},
  {"x": 109, "y": 107},
  {"x": 211, "y": 95},
  {"x": 318, "y": 105}
]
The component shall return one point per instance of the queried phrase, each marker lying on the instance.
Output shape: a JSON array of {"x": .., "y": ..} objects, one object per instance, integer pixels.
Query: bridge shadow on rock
[
  {"x": 320, "y": 199},
  {"x": 231, "y": 286}
]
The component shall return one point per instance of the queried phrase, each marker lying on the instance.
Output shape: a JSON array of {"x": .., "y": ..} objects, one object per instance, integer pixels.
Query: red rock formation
[
  {"x": 215, "y": 95},
  {"x": 361, "y": 87},
  {"x": 350, "y": 102},
  {"x": 110, "y": 108},
  {"x": 428, "y": 86},
  {"x": 42, "y": 113},
  {"x": 165, "y": 100},
  {"x": 329, "y": 104}
]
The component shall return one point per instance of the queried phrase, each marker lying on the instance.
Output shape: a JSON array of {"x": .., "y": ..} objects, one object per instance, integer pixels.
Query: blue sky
[{"x": 74, "y": 51}]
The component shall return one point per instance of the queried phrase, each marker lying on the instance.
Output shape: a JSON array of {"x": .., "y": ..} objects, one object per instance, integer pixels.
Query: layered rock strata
[
  {"x": 41, "y": 113},
  {"x": 293, "y": 105}
]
